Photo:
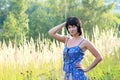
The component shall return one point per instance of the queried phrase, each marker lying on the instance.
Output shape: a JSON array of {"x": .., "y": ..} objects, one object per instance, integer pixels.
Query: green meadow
[{"x": 43, "y": 60}]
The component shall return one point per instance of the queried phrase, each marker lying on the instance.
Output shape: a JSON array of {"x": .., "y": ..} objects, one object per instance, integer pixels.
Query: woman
[{"x": 75, "y": 47}]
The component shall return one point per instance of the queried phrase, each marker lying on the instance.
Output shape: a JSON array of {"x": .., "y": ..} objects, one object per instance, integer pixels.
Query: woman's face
[{"x": 72, "y": 30}]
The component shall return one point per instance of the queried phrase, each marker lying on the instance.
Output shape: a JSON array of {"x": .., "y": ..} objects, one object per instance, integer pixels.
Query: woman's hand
[{"x": 79, "y": 66}]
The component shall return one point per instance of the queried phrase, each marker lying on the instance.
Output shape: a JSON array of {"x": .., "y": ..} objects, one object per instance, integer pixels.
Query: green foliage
[
  {"x": 16, "y": 22},
  {"x": 94, "y": 13},
  {"x": 33, "y": 18},
  {"x": 9, "y": 28},
  {"x": 19, "y": 9},
  {"x": 43, "y": 16},
  {"x": 3, "y": 11}
]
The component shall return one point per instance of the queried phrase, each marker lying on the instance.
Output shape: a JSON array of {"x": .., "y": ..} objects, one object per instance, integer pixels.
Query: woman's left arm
[{"x": 95, "y": 53}]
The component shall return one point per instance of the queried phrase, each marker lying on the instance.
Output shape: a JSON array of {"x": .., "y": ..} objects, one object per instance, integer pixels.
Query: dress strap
[{"x": 81, "y": 41}]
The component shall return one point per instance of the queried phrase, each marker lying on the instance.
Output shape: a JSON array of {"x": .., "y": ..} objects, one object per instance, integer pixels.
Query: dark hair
[{"x": 74, "y": 21}]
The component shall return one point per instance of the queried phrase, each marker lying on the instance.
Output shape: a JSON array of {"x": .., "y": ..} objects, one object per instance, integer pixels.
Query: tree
[
  {"x": 9, "y": 28},
  {"x": 94, "y": 12},
  {"x": 16, "y": 22},
  {"x": 44, "y": 15},
  {"x": 3, "y": 11}
]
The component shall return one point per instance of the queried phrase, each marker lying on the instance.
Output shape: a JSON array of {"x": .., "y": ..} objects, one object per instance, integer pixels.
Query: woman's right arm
[{"x": 53, "y": 32}]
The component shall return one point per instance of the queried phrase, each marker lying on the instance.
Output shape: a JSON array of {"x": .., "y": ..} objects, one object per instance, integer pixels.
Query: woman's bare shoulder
[{"x": 87, "y": 42}]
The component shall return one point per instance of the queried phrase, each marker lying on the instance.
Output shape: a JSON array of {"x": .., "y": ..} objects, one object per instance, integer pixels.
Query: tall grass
[
  {"x": 107, "y": 43},
  {"x": 43, "y": 60}
]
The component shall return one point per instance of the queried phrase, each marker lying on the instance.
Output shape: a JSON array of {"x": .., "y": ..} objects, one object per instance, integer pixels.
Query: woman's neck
[{"x": 76, "y": 37}]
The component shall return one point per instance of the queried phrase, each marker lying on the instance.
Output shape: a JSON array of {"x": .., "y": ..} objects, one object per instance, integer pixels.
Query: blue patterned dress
[{"x": 72, "y": 56}]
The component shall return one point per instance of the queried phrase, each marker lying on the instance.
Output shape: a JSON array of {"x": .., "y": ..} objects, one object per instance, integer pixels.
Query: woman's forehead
[{"x": 72, "y": 26}]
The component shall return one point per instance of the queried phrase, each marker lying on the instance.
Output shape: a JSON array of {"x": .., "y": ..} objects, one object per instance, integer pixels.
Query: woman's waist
[
  {"x": 69, "y": 67},
  {"x": 72, "y": 61}
]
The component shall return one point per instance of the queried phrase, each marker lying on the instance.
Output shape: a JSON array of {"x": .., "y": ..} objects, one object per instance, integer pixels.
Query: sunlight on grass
[{"x": 43, "y": 61}]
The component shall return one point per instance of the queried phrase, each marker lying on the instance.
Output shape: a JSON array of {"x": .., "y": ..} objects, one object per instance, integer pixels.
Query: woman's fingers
[{"x": 79, "y": 66}]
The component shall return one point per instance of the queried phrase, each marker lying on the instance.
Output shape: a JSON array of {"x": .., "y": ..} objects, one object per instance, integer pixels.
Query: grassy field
[{"x": 43, "y": 61}]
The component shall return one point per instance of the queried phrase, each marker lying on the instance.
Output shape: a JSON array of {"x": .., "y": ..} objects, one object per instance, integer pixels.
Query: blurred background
[{"x": 27, "y": 52}]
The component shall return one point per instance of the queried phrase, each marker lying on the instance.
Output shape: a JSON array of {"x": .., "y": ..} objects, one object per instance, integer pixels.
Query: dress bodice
[{"x": 71, "y": 57}]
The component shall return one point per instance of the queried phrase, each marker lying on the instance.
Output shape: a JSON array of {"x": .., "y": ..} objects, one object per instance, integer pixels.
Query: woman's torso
[{"x": 71, "y": 56}]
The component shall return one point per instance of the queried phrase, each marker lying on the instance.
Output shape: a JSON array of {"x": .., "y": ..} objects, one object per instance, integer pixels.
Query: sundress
[{"x": 72, "y": 56}]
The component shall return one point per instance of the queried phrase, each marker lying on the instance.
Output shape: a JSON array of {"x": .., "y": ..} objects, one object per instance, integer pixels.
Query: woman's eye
[{"x": 69, "y": 26}]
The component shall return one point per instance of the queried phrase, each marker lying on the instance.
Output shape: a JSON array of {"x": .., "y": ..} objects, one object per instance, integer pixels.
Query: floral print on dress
[{"x": 72, "y": 56}]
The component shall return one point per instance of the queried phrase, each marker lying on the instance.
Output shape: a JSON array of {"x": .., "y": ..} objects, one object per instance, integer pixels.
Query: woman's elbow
[
  {"x": 100, "y": 58},
  {"x": 50, "y": 33}
]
